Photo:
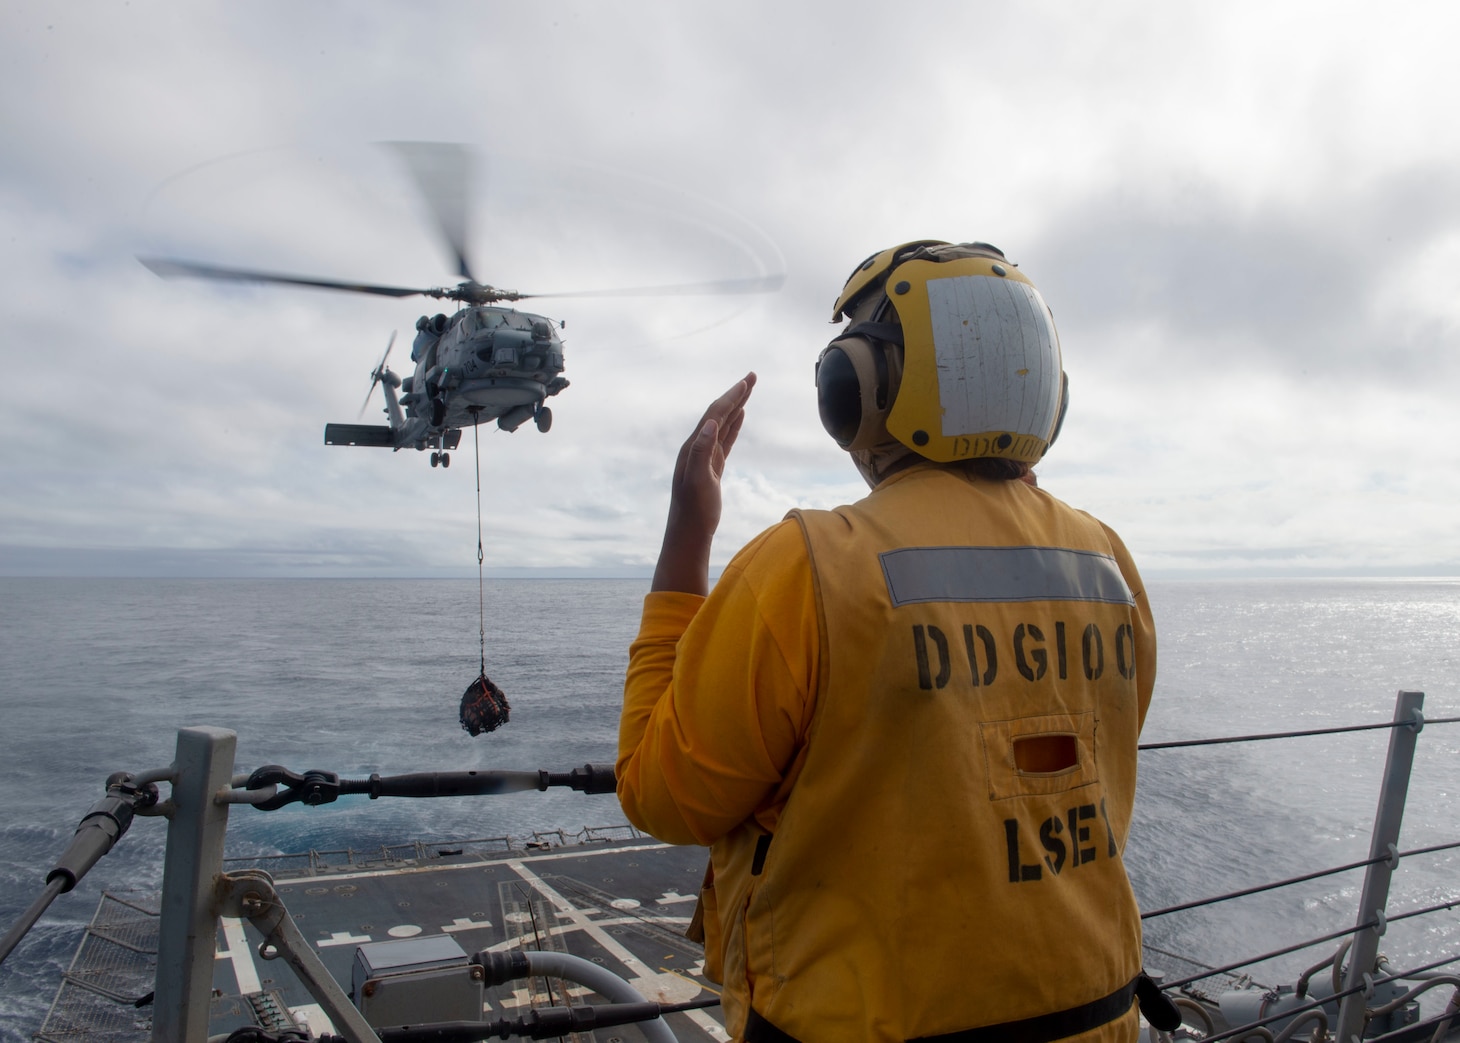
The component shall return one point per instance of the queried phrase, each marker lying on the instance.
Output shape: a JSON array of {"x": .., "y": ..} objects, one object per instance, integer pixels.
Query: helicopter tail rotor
[{"x": 378, "y": 374}]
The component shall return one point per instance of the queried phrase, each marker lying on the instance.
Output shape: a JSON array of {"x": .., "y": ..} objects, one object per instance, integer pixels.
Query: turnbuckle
[{"x": 314, "y": 787}]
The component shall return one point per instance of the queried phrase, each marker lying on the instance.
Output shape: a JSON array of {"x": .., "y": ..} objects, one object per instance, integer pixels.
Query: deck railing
[
  {"x": 202, "y": 788},
  {"x": 1361, "y": 941}
]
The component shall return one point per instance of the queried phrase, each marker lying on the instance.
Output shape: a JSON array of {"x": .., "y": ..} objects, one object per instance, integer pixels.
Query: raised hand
[{"x": 694, "y": 498}]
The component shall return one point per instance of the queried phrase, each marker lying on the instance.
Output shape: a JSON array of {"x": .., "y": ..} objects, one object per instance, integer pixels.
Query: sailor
[{"x": 905, "y": 728}]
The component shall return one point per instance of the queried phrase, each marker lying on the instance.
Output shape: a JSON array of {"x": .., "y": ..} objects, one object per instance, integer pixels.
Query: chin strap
[{"x": 875, "y": 465}]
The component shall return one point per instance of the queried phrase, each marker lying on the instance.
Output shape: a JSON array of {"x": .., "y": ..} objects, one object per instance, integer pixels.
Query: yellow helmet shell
[
  {"x": 870, "y": 271},
  {"x": 982, "y": 372}
]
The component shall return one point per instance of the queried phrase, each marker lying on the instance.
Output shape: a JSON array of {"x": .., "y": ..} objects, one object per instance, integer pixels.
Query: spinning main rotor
[{"x": 443, "y": 173}]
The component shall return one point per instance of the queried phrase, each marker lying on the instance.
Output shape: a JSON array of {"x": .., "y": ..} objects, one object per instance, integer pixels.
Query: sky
[{"x": 1245, "y": 217}]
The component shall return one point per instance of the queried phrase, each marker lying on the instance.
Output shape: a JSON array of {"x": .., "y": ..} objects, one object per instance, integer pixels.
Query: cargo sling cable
[{"x": 484, "y": 706}]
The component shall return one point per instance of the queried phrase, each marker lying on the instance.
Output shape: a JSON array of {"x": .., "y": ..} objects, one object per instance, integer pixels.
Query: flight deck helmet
[{"x": 950, "y": 351}]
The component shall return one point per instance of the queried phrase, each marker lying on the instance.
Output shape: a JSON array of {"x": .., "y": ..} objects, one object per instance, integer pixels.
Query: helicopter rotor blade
[
  {"x": 378, "y": 375},
  {"x": 172, "y": 269},
  {"x": 443, "y": 174},
  {"x": 759, "y": 284}
]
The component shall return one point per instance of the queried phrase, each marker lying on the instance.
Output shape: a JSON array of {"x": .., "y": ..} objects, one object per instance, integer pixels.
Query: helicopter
[{"x": 486, "y": 361}]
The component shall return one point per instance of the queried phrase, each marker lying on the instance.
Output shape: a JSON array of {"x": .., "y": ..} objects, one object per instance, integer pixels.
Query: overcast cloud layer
[{"x": 1246, "y": 218}]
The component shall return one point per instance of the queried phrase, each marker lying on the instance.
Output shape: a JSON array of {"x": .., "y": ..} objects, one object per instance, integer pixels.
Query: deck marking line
[
  {"x": 508, "y": 944},
  {"x": 518, "y": 999},
  {"x": 708, "y": 1025},
  {"x": 568, "y": 911},
  {"x": 506, "y": 860},
  {"x": 671, "y": 897},
  {"x": 314, "y": 1016},
  {"x": 342, "y": 938},
  {"x": 686, "y": 977},
  {"x": 240, "y": 954},
  {"x": 462, "y": 923}
]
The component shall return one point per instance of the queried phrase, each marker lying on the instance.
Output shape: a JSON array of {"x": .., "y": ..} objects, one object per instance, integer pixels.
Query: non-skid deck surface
[{"x": 623, "y": 904}]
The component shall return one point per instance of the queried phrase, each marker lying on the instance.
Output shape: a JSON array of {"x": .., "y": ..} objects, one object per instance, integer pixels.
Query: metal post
[
  {"x": 1375, "y": 894},
  {"x": 250, "y": 893},
  {"x": 187, "y": 934}
]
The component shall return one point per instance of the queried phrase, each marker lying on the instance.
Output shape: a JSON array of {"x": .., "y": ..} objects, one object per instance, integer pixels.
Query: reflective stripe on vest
[{"x": 922, "y": 574}]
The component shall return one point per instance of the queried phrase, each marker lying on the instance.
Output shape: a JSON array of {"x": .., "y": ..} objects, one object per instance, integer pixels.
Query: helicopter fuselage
[{"x": 483, "y": 363}]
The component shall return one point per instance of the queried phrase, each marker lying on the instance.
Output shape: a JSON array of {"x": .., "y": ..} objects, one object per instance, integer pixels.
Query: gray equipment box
[{"x": 413, "y": 981}]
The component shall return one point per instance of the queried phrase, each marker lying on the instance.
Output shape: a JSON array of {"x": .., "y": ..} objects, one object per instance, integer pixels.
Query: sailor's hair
[{"x": 993, "y": 468}]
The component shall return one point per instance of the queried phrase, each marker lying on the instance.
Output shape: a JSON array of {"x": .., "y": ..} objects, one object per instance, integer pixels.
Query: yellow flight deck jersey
[{"x": 907, "y": 731}]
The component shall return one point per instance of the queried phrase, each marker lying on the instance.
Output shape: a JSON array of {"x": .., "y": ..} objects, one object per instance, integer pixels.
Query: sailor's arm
[{"x": 719, "y": 694}]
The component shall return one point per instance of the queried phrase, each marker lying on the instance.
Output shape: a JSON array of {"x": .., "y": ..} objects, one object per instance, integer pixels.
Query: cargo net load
[{"x": 484, "y": 706}]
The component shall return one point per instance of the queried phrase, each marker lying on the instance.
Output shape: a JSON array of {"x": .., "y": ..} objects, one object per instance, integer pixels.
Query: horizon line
[{"x": 22, "y": 562}]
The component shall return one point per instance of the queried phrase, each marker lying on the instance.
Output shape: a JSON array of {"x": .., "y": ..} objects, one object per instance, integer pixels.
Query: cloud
[
  {"x": 1332, "y": 289},
  {"x": 1250, "y": 247}
]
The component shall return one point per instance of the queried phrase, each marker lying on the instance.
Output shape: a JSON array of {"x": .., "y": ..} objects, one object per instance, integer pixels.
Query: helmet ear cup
[
  {"x": 856, "y": 384},
  {"x": 838, "y": 395}
]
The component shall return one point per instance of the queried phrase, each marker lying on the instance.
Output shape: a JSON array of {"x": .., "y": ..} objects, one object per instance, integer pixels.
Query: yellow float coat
[{"x": 839, "y": 722}]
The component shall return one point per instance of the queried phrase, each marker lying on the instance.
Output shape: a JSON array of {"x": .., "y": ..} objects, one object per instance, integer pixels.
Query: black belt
[{"x": 1043, "y": 1028}]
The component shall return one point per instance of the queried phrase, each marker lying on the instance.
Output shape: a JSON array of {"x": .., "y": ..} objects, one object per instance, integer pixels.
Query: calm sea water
[{"x": 356, "y": 676}]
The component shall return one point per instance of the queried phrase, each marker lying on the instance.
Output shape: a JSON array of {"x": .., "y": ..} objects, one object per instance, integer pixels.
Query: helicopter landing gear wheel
[
  {"x": 445, "y": 459},
  {"x": 435, "y": 459},
  {"x": 544, "y": 419}
]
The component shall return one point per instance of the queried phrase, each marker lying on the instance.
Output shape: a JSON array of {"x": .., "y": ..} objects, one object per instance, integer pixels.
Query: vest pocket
[
  {"x": 1036, "y": 756},
  {"x": 736, "y": 969},
  {"x": 713, "y": 934}
]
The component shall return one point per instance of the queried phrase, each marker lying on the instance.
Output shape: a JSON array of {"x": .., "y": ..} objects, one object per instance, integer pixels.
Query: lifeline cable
[
  {"x": 1368, "y": 924},
  {"x": 1387, "y": 856},
  {"x": 1295, "y": 734}
]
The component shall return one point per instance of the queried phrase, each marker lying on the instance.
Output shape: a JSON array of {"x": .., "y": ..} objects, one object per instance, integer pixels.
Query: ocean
[{"x": 361, "y": 676}]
